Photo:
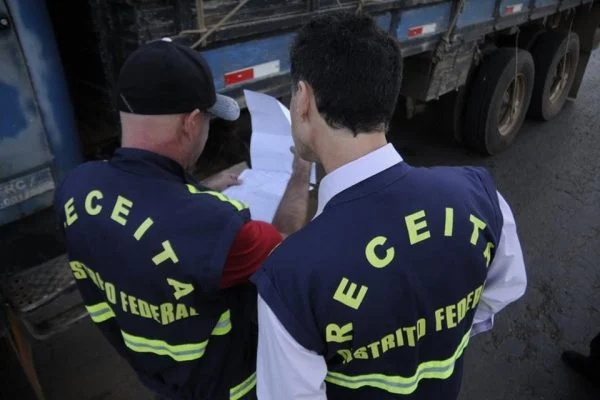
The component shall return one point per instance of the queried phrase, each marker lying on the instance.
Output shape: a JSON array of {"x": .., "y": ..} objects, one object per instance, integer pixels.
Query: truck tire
[
  {"x": 499, "y": 97},
  {"x": 451, "y": 108},
  {"x": 556, "y": 56}
]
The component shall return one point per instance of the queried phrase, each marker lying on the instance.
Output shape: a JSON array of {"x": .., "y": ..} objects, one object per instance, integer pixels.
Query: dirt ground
[{"x": 551, "y": 178}]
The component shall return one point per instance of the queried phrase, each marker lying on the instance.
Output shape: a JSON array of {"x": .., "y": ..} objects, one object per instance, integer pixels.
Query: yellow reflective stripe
[
  {"x": 237, "y": 204},
  {"x": 223, "y": 326},
  {"x": 399, "y": 384},
  {"x": 100, "y": 312},
  {"x": 178, "y": 352},
  {"x": 243, "y": 388}
]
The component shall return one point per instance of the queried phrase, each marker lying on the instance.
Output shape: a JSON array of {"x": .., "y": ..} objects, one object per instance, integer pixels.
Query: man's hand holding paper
[{"x": 272, "y": 157}]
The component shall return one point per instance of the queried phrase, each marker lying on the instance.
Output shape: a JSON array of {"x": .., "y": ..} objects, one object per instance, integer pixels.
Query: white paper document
[{"x": 263, "y": 186}]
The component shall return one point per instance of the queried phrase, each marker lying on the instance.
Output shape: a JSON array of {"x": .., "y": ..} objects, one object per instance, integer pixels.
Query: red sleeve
[{"x": 253, "y": 243}]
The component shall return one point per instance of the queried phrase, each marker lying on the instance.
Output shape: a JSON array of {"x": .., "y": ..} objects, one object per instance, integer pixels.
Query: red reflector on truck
[
  {"x": 412, "y": 32},
  {"x": 421, "y": 30},
  {"x": 239, "y": 76},
  {"x": 515, "y": 8},
  {"x": 254, "y": 72}
]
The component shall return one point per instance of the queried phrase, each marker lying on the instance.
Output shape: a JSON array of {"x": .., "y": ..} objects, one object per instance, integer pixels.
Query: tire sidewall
[
  {"x": 551, "y": 110},
  {"x": 495, "y": 142}
]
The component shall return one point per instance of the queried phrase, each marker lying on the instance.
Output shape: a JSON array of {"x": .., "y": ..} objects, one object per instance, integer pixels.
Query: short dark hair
[{"x": 354, "y": 68}]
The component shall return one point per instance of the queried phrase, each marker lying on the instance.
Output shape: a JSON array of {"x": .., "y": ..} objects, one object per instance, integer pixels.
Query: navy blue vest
[
  {"x": 147, "y": 246},
  {"x": 385, "y": 282}
]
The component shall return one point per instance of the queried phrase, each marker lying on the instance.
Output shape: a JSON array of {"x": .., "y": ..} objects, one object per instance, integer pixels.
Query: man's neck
[
  {"x": 336, "y": 148},
  {"x": 160, "y": 149},
  {"x": 152, "y": 133}
]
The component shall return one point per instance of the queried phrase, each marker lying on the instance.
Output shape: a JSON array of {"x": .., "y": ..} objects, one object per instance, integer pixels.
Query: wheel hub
[
  {"x": 561, "y": 78},
  {"x": 511, "y": 106}
]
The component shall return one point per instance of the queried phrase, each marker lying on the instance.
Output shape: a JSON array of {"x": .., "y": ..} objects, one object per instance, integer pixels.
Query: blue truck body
[
  {"x": 39, "y": 141},
  {"x": 38, "y": 136}
]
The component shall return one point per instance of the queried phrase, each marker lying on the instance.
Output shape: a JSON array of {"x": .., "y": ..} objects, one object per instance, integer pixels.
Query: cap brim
[{"x": 225, "y": 108}]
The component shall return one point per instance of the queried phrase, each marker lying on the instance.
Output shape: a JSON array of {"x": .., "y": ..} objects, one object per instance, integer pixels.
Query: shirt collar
[
  {"x": 144, "y": 162},
  {"x": 354, "y": 172}
]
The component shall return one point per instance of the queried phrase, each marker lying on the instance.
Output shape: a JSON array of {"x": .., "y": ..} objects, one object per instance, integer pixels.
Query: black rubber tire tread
[
  {"x": 489, "y": 84},
  {"x": 453, "y": 104},
  {"x": 547, "y": 51},
  {"x": 449, "y": 116}
]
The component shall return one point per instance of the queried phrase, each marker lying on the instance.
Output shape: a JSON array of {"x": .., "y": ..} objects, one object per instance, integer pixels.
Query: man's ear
[
  {"x": 191, "y": 122},
  {"x": 303, "y": 100}
]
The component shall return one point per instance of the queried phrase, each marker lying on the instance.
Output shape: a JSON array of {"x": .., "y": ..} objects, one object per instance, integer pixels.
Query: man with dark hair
[
  {"x": 369, "y": 73},
  {"x": 162, "y": 261},
  {"x": 379, "y": 294}
]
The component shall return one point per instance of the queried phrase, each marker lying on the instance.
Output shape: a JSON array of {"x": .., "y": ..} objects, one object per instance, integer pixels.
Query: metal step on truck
[{"x": 491, "y": 63}]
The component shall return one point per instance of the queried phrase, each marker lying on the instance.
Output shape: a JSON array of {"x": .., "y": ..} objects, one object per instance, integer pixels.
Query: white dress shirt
[{"x": 287, "y": 370}]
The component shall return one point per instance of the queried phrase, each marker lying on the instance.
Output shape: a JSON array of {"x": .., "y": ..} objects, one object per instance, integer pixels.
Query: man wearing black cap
[{"x": 161, "y": 261}]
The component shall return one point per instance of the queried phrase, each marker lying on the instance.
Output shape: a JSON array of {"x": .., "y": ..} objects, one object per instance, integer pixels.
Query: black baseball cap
[{"x": 164, "y": 77}]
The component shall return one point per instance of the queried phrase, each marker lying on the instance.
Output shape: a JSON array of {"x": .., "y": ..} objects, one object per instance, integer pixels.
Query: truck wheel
[
  {"x": 451, "y": 107},
  {"x": 500, "y": 94},
  {"x": 556, "y": 55}
]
